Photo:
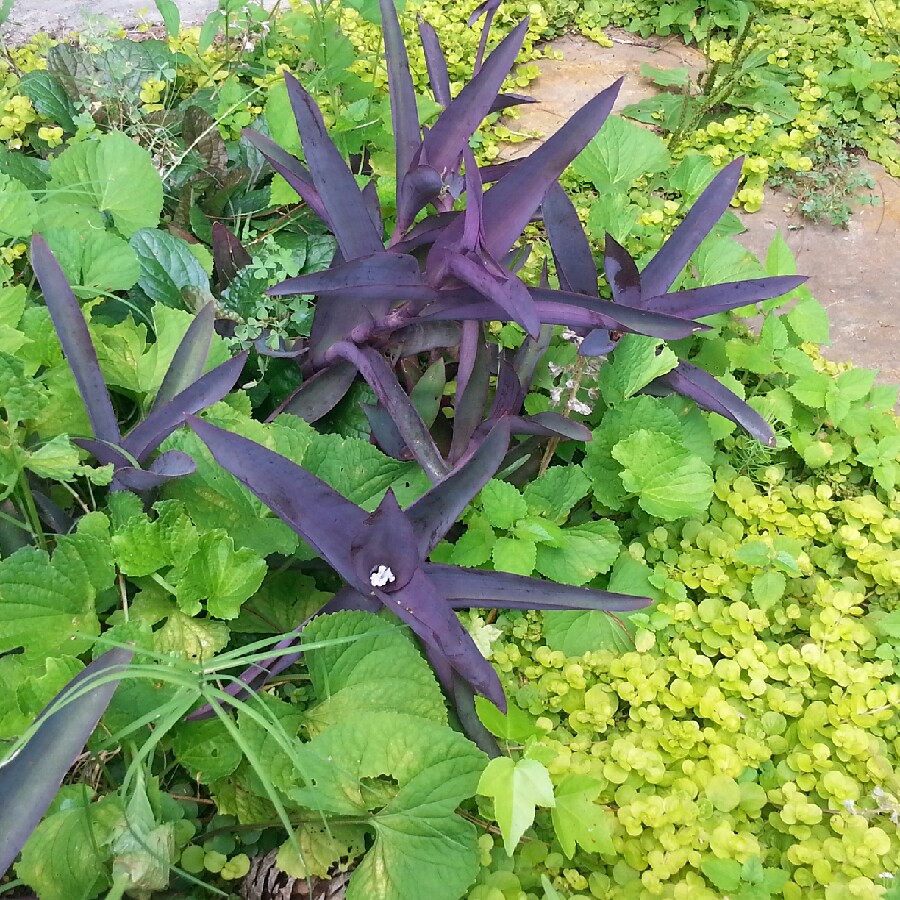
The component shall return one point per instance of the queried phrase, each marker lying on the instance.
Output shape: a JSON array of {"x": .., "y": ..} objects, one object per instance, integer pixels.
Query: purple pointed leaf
[
  {"x": 72, "y": 330},
  {"x": 472, "y": 384},
  {"x": 385, "y": 270},
  {"x": 381, "y": 378},
  {"x": 660, "y": 273},
  {"x": 404, "y": 114},
  {"x": 384, "y": 432},
  {"x": 229, "y": 255},
  {"x": 506, "y": 291},
  {"x": 505, "y": 101},
  {"x": 433, "y": 514},
  {"x": 373, "y": 204},
  {"x": 421, "y": 186},
  {"x": 511, "y": 202},
  {"x": 292, "y": 170},
  {"x": 444, "y": 142},
  {"x": 320, "y": 393},
  {"x": 575, "y": 264},
  {"x": 166, "y": 467},
  {"x": 710, "y": 394},
  {"x": 472, "y": 215},
  {"x": 385, "y": 553},
  {"x": 190, "y": 358},
  {"x": 210, "y": 388},
  {"x": 529, "y": 355},
  {"x": 422, "y": 337},
  {"x": 500, "y": 590},
  {"x": 430, "y": 617},
  {"x": 597, "y": 343},
  {"x": 489, "y": 8},
  {"x": 695, "y": 303},
  {"x": 550, "y": 424},
  {"x": 31, "y": 777},
  {"x": 349, "y": 219},
  {"x": 494, "y": 172},
  {"x": 508, "y": 396},
  {"x": 425, "y": 232},
  {"x": 319, "y": 514},
  {"x": 106, "y": 453},
  {"x": 622, "y": 274},
  {"x": 436, "y": 63}
]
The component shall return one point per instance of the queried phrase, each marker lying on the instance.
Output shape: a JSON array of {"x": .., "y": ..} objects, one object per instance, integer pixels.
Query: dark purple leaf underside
[
  {"x": 500, "y": 590},
  {"x": 421, "y": 186},
  {"x": 621, "y": 273},
  {"x": 165, "y": 467},
  {"x": 381, "y": 378},
  {"x": 505, "y": 101},
  {"x": 210, "y": 388},
  {"x": 508, "y": 396},
  {"x": 597, "y": 343},
  {"x": 433, "y": 514},
  {"x": 575, "y": 264},
  {"x": 445, "y": 140},
  {"x": 229, "y": 255},
  {"x": 373, "y": 205},
  {"x": 30, "y": 779},
  {"x": 472, "y": 384},
  {"x": 404, "y": 114},
  {"x": 190, "y": 358},
  {"x": 384, "y": 270},
  {"x": 425, "y": 232},
  {"x": 696, "y": 303},
  {"x": 347, "y": 214},
  {"x": 320, "y": 393},
  {"x": 551, "y": 424},
  {"x": 710, "y": 394},
  {"x": 511, "y": 202},
  {"x": 529, "y": 355},
  {"x": 72, "y": 330},
  {"x": 436, "y": 64},
  {"x": 384, "y": 432},
  {"x": 425, "y": 336},
  {"x": 668, "y": 262},
  {"x": 319, "y": 514},
  {"x": 292, "y": 170}
]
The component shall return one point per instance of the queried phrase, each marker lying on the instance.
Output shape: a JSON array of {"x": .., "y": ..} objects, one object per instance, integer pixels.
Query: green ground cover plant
[{"x": 563, "y": 460}]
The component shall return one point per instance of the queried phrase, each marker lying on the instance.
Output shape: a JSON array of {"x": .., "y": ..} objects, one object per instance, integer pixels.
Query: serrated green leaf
[
  {"x": 375, "y": 667},
  {"x": 579, "y": 819},
  {"x": 515, "y": 725},
  {"x": 517, "y": 788},
  {"x": 809, "y": 321},
  {"x": 583, "y": 552},
  {"x": 321, "y": 847},
  {"x": 503, "y": 504},
  {"x": 669, "y": 481},
  {"x": 49, "y": 98},
  {"x": 422, "y": 848},
  {"x": 515, "y": 555},
  {"x": 21, "y": 397},
  {"x": 725, "y": 874},
  {"x": 114, "y": 175},
  {"x": 620, "y": 153},
  {"x": 206, "y": 749},
  {"x": 811, "y": 390},
  {"x": 475, "y": 545},
  {"x": 723, "y": 792},
  {"x": 218, "y": 574},
  {"x": 768, "y": 588},
  {"x": 93, "y": 261},
  {"x": 635, "y": 362},
  {"x": 18, "y": 211},
  {"x": 553, "y": 494},
  {"x": 28, "y": 686},
  {"x": 584, "y": 631},
  {"x": 167, "y": 267},
  {"x": 58, "y": 460}
]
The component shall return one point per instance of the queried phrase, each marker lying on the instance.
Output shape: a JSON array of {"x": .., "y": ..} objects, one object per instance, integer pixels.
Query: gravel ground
[{"x": 62, "y": 16}]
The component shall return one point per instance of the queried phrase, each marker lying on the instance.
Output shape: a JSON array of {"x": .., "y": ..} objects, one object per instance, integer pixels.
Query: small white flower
[
  {"x": 578, "y": 406},
  {"x": 885, "y": 875},
  {"x": 381, "y": 576}
]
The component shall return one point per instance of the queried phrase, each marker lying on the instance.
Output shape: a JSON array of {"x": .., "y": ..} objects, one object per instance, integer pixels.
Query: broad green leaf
[
  {"x": 725, "y": 874},
  {"x": 855, "y": 384},
  {"x": 583, "y": 552},
  {"x": 503, "y": 504},
  {"x": 809, "y": 321},
  {"x": 218, "y": 574},
  {"x": 65, "y": 857},
  {"x": 47, "y": 604},
  {"x": 553, "y": 494},
  {"x": 599, "y": 465},
  {"x": 579, "y": 819},
  {"x": 669, "y": 481},
  {"x": 113, "y": 175},
  {"x": 752, "y": 553},
  {"x": 515, "y": 555},
  {"x": 374, "y": 667},
  {"x": 49, "y": 98},
  {"x": 167, "y": 267},
  {"x": 475, "y": 545},
  {"x": 12, "y": 304},
  {"x": 206, "y": 749},
  {"x": 768, "y": 588},
  {"x": 93, "y": 261},
  {"x": 635, "y": 362},
  {"x": 677, "y": 77},
  {"x": 18, "y": 211},
  {"x": 28, "y": 686},
  {"x": 517, "y": 788},
  {"x": 515, "y": 725},
  {"x": 21, "y": 397},
  {"x": 812, "y": 390},
  {"x": 59, "y": 460},
  {"x": 584, "y": 631},
  {"x": 620, "y": 153},
  {"x": 720, "y": 259},
  {"x": 630, "y": 576},
  {"x": 321, "y": 847},
  {"x": 407, "y": 776},
  {"x": 170, "y": 15}
]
